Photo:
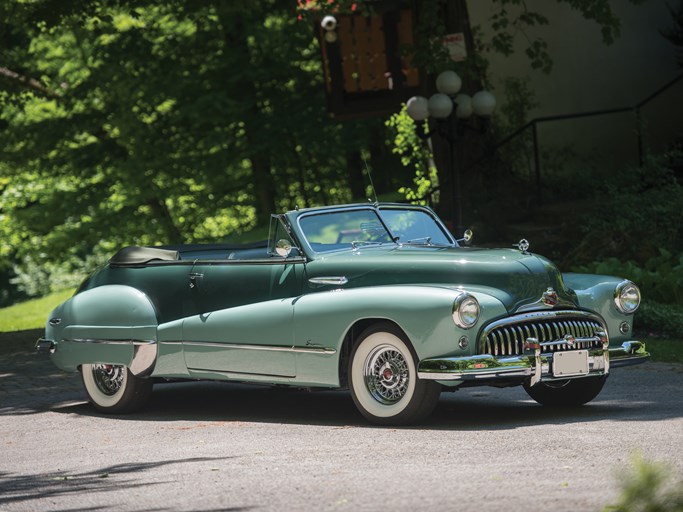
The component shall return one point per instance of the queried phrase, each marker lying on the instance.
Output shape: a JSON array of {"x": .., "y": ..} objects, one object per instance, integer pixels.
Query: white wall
[{"x": 588, "y": 75}]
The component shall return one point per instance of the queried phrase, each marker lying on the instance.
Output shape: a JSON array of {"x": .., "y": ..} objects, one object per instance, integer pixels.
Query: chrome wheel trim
[
  {"x": 108, "y": 377},
  {"x": 386, "y": 374},
  {"x": 363, "y": 396}
]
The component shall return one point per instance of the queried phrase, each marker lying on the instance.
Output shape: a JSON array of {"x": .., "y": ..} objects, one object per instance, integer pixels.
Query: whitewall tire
[
  {"x": 383, "y": 378},
  {"x": 114, "y": 389}
]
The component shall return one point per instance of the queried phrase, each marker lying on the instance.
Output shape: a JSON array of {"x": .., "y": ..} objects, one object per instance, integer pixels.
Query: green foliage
[
  {"x": 35, "y": 278},
  {"x": 160, "y": 122},
  {"x": 413, "y": 153},
  {"x": 654, "y": 317},
  {"x": 648, "y": 487},
  {"x": 660, "y": 278},
  {"x": 513, "y": 19},
  {"x": 664, "y": 350},
  {"x": 675, "y": 32},
  {"x": 640, "y": 212}
]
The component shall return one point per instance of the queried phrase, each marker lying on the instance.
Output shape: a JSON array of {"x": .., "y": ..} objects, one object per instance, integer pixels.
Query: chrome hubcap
[
  {"x": 386, "y": 374},
  {"x": 108, "y": 377}
]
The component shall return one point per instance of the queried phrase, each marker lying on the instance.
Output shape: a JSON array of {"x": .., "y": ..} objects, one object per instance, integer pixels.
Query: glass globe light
[
  {"x": 483, "y": 103},
  {"x": 464, "y": 108},
  {"x": 448, "y": 82},
  {"x": 418, "y": 108},
  {"x": 440, "y": 106}
]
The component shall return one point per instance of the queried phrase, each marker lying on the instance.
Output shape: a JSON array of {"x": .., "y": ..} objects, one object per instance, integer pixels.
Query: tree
[
  {"x": 163, "y": 121},
  {"x": 160, "y": 122}
]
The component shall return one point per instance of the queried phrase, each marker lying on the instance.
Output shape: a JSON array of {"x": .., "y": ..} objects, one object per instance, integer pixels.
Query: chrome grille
[{"x": 506, "y": 337}]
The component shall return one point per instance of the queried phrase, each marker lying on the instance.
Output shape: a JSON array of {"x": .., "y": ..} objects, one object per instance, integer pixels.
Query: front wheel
[
  {"x": 383, "y": 379},
  {"x": 566, "y": 393},
  {"x": 112, "y": 388}
]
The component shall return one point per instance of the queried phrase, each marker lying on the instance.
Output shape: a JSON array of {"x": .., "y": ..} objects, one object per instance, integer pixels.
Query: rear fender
[{"x": 112, "y": 324}]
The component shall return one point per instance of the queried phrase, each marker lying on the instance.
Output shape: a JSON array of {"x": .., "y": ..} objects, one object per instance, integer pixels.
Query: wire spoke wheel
[
  {"x": 108, "y": 377},
  {"x": 112, "y": 388},
  {"x": 383, "y": 378},
  {"x": 386, "y": 374}
]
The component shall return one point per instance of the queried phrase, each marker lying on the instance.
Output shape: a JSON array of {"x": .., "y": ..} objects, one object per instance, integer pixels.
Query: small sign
[{"x": 455, "y": 44}]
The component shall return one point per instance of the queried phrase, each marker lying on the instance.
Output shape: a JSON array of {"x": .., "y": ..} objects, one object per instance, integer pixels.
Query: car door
[{"x": 244, "y": 326}]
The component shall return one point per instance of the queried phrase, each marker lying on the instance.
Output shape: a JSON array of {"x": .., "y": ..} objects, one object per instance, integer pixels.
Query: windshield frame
[
  {"x": 429, "y": 213},
  {"x": 296, "y": 217}
]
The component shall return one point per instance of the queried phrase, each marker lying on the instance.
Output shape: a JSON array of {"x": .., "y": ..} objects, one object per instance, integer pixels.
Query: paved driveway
[{"x": 227, "y": 447}]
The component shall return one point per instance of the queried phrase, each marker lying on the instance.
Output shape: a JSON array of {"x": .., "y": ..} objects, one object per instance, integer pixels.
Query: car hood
[{"x": 515, "y": 278}]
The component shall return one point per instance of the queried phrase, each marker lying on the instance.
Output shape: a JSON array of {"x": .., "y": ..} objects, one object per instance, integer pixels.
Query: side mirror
[
  {"x": 467, "y": 237},
  {"x": 283, "y": 248}
]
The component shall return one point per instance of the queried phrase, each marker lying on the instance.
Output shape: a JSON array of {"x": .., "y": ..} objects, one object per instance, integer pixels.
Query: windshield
[
  {"x": 346, "y": 229},
  {"x": 414, "y": 227}
]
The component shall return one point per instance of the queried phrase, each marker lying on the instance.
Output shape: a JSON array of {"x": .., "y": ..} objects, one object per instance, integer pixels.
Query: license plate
[{"x": 566, "y": 364}]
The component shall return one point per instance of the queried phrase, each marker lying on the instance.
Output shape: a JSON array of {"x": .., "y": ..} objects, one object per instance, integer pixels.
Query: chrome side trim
[
  {"x": 144, "y": 352},
  {"x": 307, "y": 349},
  {"x": 111, "y": 342},
  {"x": 331, "y": 280}
]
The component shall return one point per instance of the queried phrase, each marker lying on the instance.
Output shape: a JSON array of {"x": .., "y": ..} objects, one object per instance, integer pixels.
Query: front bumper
[{"x": 535, "y": 365}]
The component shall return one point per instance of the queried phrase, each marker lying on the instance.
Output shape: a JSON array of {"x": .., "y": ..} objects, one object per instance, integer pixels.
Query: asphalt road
[{"x": 208, "y": 446}]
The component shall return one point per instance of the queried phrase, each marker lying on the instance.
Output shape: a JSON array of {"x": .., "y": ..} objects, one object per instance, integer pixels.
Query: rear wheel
[
  {"x": 566, "y": 393},
  {"x": 112, "y": 388},
  {"x": 383, "y": 379}
]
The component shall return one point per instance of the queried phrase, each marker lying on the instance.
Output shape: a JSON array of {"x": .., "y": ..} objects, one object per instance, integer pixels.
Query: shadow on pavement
[
  {"x": 30, "y": 384},
  {"x": 467, "y": 409},
  {"x": 17, "y": 488}
]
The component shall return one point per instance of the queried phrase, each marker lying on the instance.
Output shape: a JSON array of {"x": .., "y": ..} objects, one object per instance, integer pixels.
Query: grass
[
  {"x": 665, "y": 350},
  {"x": 31, "y": 314}
]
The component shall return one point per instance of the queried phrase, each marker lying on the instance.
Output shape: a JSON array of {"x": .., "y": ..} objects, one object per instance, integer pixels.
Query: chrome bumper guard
[{"x": 536, "y": 365}]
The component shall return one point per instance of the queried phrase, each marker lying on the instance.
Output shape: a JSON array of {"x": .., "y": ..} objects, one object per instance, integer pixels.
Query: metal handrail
[{"x": 533, "y": 124}]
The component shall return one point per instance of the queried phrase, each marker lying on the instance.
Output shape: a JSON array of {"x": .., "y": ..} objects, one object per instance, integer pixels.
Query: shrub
[
  {"x": 647, "y": 487},
  {"x": 660, "y": 278},
  {"x": 660, "y": 318},
  {"x": 638, "y": 212}
]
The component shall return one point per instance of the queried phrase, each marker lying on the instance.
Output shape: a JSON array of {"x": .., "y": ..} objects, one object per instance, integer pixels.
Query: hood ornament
[
  {"x": 550, "y": 297},
  {"x": 522, "y": 245}
]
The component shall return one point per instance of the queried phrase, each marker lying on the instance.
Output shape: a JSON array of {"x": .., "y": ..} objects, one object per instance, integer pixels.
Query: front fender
[
  {"x": 596, "y": 293},
  {"x": 109, "y": 324},
  {"x": 423, "y": 312}
]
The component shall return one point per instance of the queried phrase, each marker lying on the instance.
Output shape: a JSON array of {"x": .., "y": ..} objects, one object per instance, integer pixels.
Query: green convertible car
[{"x": 376, "y": 298}]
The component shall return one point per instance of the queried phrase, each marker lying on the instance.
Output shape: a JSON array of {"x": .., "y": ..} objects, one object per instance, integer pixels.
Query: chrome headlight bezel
[
  {"x": 627, "y": 297},
  {"x": 466, "y": 311}
]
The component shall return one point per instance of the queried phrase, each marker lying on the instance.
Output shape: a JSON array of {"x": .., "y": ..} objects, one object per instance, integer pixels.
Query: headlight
[
  {"x": 627, "y": 297},
  {"x": 465, "y": 311}
]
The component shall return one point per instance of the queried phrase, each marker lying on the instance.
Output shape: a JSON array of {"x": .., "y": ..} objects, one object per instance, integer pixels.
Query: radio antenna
[{"x": 372, "y": 185}]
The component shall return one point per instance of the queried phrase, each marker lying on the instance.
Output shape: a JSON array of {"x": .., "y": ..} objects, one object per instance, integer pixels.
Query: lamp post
[{"x": 452, "y": 112}]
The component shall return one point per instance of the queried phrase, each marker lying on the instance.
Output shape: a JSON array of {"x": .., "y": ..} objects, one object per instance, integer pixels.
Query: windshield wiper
[
  {"x": 357, "y": 243},
  {"x": 423, "y": 240}
]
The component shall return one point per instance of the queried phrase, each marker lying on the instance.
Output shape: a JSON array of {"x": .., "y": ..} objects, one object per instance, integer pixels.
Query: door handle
[{"x": 194, "y": 279}]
